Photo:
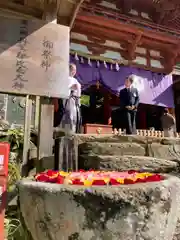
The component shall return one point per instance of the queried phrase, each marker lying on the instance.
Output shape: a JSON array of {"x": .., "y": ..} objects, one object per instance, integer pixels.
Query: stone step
[
  {"x": 81, "y": 138},
  {"x": 153, "y": 149},
  {"x": 124, "y": 148},
  {"x": 164, "y": 151},
  {"x": 122, "y": 163}
]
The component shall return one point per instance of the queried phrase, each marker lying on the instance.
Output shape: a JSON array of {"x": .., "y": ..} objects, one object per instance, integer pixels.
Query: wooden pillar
[
  {"x": 45, "y": 109},
  {"x": 37, "y": 106},
  {"x": 107, "y": 109},
  {"x": 142, "y": 117},
  {"x": 5, "y": 106},
  {"x": 171, "y": 111},
  {"x": 27, "y": 132},
  {"x": 45, "y": 130},
  {"x": 92, "y": 107}
]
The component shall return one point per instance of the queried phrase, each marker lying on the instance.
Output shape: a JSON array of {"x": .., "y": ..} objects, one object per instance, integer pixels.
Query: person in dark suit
[{"x": 129, "y": 100}]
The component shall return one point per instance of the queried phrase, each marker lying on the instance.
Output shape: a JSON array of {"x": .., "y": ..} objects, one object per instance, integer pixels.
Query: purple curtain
[
  {"x": 154, "y": 88},
  {"x": 87, "y": 74}
]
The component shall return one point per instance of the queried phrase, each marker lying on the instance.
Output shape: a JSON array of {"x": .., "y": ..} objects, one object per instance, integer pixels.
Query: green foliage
[
  {"x": 85, "y": 100},
  {"x": 13, "y": 175},
  {"x": 16, "y": 138},
  {"x": 12, "y": 225}
]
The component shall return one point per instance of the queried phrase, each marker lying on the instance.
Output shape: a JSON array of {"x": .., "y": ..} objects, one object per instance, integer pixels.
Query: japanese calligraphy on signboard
[{"x": 34, "y": 58}]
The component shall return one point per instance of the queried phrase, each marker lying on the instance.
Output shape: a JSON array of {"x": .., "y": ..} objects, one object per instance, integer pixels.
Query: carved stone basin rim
[{"x": 53, "y": 187}]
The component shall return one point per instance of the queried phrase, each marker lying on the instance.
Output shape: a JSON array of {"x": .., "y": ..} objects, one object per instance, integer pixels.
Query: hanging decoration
[
  {"x": 117, "y": 67},
  {"x": 98, "y": 84},
  {"x": 105, "y": 65},
  {"x": 82, "y": 60},
  {"x": 112, "y": 78},
  {"x": 89, "y": 62},
  {"x": 14, "y": 99},
  {"x": 22, "y": 103},
  {"x": 76, "y": 57},
  {"x": 98, "y": 64},
  {"x": 114, "y": 65}
]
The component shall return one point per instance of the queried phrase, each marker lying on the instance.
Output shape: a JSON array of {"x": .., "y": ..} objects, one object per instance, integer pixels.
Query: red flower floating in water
[{"x": 98, "y": 178}]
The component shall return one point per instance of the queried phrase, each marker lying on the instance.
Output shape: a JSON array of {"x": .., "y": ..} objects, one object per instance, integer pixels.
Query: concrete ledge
[
  {"x": 127, "y": 162},
  {"x": 125, "y": 138}
]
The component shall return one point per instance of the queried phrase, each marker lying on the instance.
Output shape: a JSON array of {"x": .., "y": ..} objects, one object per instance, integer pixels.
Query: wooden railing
[{"x": 114, "y": 14}]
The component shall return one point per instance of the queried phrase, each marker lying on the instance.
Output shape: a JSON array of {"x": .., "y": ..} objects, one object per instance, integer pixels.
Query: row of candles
[
  {"x": 140, "y": 132},
  {"x": 145, "y": 133}
]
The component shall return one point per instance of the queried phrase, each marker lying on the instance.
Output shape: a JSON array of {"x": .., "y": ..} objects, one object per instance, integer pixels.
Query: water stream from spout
[{"x": 68, "y": 153}]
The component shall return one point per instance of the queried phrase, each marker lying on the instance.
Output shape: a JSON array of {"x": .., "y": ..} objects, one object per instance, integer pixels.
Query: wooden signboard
[
  {"x": 97, "y": 129},
  {"x": 34, "y": 57}
]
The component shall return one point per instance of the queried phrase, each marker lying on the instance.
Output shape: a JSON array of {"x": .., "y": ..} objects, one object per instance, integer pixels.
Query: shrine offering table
[{"x": 97, "y": 128}]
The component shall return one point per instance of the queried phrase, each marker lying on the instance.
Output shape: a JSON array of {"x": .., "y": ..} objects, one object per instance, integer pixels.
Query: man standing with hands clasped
[{"x": 129, "y": 100}]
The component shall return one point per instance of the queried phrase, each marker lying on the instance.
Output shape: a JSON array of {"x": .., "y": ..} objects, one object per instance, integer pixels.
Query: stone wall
[{"x": 94, "y": 151}]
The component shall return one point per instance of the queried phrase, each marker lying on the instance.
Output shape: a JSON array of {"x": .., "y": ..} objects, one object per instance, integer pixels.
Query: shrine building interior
[
  {"x": 98, "y": 104},
  {"x": 136, "y": 33}
]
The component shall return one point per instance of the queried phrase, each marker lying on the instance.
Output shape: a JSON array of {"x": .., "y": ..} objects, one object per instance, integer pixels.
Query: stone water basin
[{"x": 142, "y": 211}]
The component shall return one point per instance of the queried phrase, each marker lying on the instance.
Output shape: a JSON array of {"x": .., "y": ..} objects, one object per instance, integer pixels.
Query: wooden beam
[
  {"x": 123, "y": 52},
  {"x": 127, "y": 28},
  {"x": 120, "y": 36},
  {"x": 94, "y": 2},
  {"x": 132, "y": 48},
  {"x": 96, "y": 39},
  {"x": 171, "y": 57},
  {"x": 102, "y": 31},
  {"x": 149, "y": 58},
  {"x": 76, "y": 10},
  {"x": 102, "y": 48},
  {"x": 156, "y": 45},
  {"x": 15, "y": 15},
  {"x": 25, "y": 2},
  {"x": 50, "y": 11},
  {"x": 106, "y": 12},
  {"x": 153, "y": 69},
  {"x": 63, "y": 20},
  {"x": 10, "y": 6},
  {"x": 126, "y": 6}
]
